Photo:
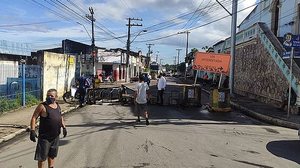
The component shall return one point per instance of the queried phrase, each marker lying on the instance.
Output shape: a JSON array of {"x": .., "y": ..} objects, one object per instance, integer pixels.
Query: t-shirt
[
  {"x": 161, "y": 83},
  {"x": 141, "y": 89}
]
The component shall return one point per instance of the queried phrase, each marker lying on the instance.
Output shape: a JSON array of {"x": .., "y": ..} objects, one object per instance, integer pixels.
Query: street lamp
[
  {"x": 85, "y": 29},
  {"x": 138, "y": 35},
  {"x": 134, "y": 39}
]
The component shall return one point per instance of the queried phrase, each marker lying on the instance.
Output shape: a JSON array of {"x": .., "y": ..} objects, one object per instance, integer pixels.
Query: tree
[
  {"x": 181, "y": 67},
  {"x": 190, "y": 55},
  {"x": 205, "y": 48}
]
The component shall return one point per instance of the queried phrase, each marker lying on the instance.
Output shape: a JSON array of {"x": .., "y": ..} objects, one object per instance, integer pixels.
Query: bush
[
  {"x": 11, "y": 104},
  {"x": 31, "y": 100}
]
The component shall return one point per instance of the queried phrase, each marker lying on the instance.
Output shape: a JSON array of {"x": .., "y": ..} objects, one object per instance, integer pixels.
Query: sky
[{"x": 45, "y": 23}]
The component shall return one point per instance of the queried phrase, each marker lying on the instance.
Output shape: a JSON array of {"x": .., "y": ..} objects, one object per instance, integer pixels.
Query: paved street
[{"x": 107, "y": 136}]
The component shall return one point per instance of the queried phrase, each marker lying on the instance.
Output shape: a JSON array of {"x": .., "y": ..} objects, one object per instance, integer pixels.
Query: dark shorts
[
  {"x": 141, "y": 108},
  {"x": 46, "y": 148}
]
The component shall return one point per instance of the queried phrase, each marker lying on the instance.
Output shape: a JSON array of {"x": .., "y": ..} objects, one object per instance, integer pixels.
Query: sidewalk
[
  {"x": 265, "y": 112},
  {"x": 261, "y": 111},
  {"x": 17, "y": 122}
]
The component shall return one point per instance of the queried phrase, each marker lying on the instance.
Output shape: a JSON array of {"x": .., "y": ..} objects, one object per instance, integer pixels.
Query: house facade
[{"x": 281, "y": 16}]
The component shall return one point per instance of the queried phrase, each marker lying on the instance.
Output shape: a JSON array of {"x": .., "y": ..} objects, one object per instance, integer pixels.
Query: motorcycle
[
  {"x": 71, "y": 96},
  {"x": 109, "y": 79}
]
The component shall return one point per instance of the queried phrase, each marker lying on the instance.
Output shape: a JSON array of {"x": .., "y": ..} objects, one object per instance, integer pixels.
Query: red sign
[{"x": 212, "y": 62}]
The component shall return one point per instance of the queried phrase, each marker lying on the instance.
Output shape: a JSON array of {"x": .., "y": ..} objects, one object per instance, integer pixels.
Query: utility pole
[
  {"x": 233, "y": 41},
  {"x": 160, "y": 60},
  {"x": 128, "y": 44},
  {"x": 186, "y": 52},
  {"x": 94, "y": 52},
  {"x": 178, "y": 51},
  {"x": 149, "y": 49},
  {"x": 156, "y": 60},
  {"x": 186, "y": 49}
]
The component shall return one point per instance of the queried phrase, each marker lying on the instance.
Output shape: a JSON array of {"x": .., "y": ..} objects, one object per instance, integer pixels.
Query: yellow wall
[{"x": 58, "y": 72}]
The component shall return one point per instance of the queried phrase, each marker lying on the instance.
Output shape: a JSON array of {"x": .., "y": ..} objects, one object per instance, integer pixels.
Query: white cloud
[{"x": 113, "y": 14}]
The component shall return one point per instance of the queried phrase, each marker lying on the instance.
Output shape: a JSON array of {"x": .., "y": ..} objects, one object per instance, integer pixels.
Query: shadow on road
[{"x": 288, "y": 149}]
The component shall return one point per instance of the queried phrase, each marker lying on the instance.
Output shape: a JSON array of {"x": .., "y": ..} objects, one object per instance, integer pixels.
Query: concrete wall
[
  {"x": 58, "y": 72},
  {"x": 256, "y": 74}
]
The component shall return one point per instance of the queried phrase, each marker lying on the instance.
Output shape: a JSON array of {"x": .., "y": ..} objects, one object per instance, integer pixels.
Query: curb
[
  {"x": 265, "y": 118},
  {"x": 261, "y": 117},
  {"x": 13, "y": 135}
]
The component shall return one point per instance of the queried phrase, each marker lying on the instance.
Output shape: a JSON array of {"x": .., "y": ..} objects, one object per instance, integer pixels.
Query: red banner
[{"x": 212, "y": 62}]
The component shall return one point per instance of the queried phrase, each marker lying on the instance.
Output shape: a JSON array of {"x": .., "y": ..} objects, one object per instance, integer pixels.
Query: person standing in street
[
  {"x": 226, "y": 82},
  {"x": 141, "y": 94},
  {"x": 84, "y": 84},
  {"x": 161, "y": 85},
  {"x": 96, "y": 81},
  {"x": 147, "y": 79},
  {"x": 51, "y": 122}
]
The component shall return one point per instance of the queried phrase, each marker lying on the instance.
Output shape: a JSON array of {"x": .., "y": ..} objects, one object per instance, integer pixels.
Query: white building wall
[
  {"x": 219, "y": 48},
  {"x": 58, "y": 72},
  {"x": 288, "y": 14},
  {"x": 8, "y": 69},
  {"x": 260, "y": 14}
]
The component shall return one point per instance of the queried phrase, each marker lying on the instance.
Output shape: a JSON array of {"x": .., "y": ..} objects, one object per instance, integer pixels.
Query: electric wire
[
  {"x": 63, "y": 7},
  {"x": 193, "y": 14},
  {"x": 29, "y": 24},
  {"x": 202, "y": 25},
  {"x": 200, "y": 14},
  {"x": 52, "y": 11}
]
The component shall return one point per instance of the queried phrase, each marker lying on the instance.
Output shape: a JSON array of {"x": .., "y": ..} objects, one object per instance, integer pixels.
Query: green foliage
[
  {"x": 31, "y": 100},
  {"x": 11, "y": 104},
  {"x": 181, "y": 67}
]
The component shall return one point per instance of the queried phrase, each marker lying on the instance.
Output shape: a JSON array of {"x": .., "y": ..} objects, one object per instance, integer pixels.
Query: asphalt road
[{"x": 107, "y": 136}]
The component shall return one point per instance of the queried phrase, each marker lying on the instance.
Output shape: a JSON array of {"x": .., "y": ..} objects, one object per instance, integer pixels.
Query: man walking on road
[
  {"x": 51, "y": 122},
  {"x": 161, "y": 85},
  {"x": 141, "y": 99}
]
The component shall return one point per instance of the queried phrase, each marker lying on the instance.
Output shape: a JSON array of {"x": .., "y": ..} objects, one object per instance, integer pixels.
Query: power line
[
  {"x": 193, "y": 13},
  {"x": 216, "y": 20},
  {"x": 29, "y": 24},
  {"x": 69, "y": 10},
  {"x": 76, "y": 6},
  {"x": 225, "y": 16},
  {"x": 52, "y": 11},
  {"x": 168, "y": 23},
  {"x": 126, "y": 4},
  {"x": 200, "y": 13}
]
